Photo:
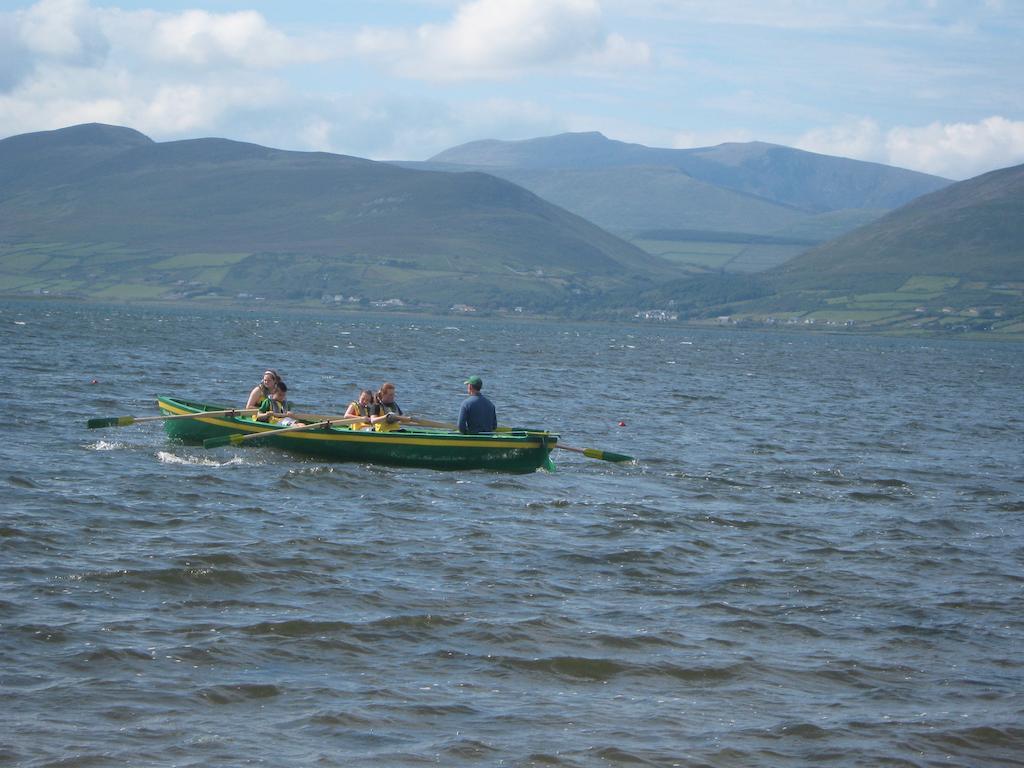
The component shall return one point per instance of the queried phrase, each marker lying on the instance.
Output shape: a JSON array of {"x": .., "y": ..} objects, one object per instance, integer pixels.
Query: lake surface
[{"x": 818, "y": 559}]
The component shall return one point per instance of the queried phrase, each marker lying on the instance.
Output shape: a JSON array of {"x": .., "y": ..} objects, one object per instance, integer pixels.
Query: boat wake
[
  {"x": 106, "y": 445},
  {"x": 196, "y": 461}
]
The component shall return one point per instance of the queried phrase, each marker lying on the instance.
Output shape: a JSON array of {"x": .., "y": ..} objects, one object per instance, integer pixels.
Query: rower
[
  {"x": 361, "y": 407},
  {"x": 276, "y": 409},
  {"x": 387, "y": 415}
]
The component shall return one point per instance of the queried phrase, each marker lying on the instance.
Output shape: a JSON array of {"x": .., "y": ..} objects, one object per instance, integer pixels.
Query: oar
[
  {"x": 235, "y": 439},
  {"x": 590, "y": 453},
  {"x": 124, "y": 421},
  {"x": 318, "y": 417},
  {"x": 434, "y": 424}
]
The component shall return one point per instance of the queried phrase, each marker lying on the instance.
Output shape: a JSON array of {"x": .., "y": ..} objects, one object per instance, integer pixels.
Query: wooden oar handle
[
  {"x": 434, "y": 424},
  {"x": 324, "y": 417},
  {"x": 124, "y": 421},
  {"x": 454, "y": 428},
  {"x": 227, "y": 412},
  {"x": 570, "y": 448},
  {"x": 299, "y": 428}
]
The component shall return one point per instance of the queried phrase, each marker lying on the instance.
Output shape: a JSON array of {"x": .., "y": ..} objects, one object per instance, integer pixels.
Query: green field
[
  {"x": 125, "y": 291},
  {"x": 701, "y": 255},
  {"x": 856, "y": 315},
  {"x": 930, "y": 284},
  {"x": 199, "y": 260}
]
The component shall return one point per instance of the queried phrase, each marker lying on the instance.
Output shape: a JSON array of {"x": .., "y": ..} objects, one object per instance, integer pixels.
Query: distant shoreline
[{"x": 706, "y": 324}]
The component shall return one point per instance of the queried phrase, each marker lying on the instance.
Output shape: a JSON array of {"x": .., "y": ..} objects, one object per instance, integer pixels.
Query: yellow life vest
[
  {"x": 361, "y": 410},
  {"x": 276, "y": 409},
  {"x": 386, "y": 426}
]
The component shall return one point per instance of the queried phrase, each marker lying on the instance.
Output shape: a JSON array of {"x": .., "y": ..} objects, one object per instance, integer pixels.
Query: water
[{"x": 817, "y": 560}]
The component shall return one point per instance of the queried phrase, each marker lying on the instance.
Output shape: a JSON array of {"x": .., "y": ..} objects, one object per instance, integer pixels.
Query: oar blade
[
  {"x": 594, "y": 453},
  {"x": 113, "y": 421}
]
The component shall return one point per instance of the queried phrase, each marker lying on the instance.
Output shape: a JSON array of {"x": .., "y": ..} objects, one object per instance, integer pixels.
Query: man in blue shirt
[{"x": 477, "y": 412}]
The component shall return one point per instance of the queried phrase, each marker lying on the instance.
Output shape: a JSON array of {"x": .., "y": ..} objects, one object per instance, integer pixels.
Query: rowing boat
[{"x": 516, "y": 451}]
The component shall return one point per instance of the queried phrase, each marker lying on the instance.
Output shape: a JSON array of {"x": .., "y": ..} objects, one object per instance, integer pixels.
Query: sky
[{"x": 935, "y": 86}]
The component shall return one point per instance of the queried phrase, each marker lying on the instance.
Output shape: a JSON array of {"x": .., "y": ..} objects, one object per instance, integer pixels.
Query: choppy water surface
[{"x": 817, "y": 560}]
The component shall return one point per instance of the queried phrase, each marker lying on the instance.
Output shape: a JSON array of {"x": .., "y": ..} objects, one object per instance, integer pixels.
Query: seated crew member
[
  {"x": 264, "y": 389},
  {"x": 477, "y": 413},
  {"x": 387, "y": 415},
  {"x": 361, "y": 407},
  {"x": 276, "y": 409}
]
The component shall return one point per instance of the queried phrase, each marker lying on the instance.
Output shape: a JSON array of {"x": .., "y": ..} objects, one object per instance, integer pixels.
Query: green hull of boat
[{"x": 430, "y": 449}]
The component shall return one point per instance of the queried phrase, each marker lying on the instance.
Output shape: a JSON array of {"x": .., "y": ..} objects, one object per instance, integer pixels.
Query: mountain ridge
[
  {"x": 751, "y": 189},
  {"x": 753, "y": 167}
]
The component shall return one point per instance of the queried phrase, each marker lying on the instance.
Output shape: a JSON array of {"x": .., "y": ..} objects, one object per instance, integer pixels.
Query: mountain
[
  {"x": 952, "y": 260},
  {"x": 738, "y": 189},
  {"x": 805, "y": 180},
  {"x": 50, "y": 156},
  {"x": 93, "y": 209}
]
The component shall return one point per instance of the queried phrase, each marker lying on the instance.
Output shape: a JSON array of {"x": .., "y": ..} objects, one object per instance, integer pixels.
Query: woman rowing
[
  {"x": 263, "y": 390},
  {"x": 364, "y": 407},
  {"x": 387, "y": 414}
]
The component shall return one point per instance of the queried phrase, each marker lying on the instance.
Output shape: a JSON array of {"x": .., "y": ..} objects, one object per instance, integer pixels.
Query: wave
[
  {"x": 801, "y": 730},
  {"x": 39, "y": 633},
  {"x": 106, "y": 445},
  {"x": 167, "y": 457},
  {"x": 869, "y": 496},
  {"x": 117, "y": 656},
  {"x": 978, "y": 745},
  {"x": 182, "y": 576},
  {"x": 604, "y": 669},
  {"x": 984, "y": 736},
  {"x": 467, "y": 749},
  {"x": 297, "y": 628},
  {"x": 302, "y": 628},
  {"x": 241, "y": 692}
]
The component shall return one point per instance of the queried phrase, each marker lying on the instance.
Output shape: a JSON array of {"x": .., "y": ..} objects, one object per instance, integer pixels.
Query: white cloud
[
  {"x": 185, "y": 108},
  {"x": 953, "y": 150},
  {"x": 860, "y": 139},
  {"x": 61, "y": 29},
  {"x": 620, "y": 52},
  {"x": 500, "y": 39},
  {"x": 244, "y": 38},
  {"x": 167, "y": 74},
  {"x": 387, "y": 128},
  {"x": 54, "y": 97},
  {"x": 958, "y": 150}
]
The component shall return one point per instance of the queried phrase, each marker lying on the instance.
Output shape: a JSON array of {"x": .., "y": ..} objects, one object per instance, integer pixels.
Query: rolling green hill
[
  {"x": 951, "y": 260},
  {"x": 973, "y": 230},
  {"x": 111, "y": 213}
]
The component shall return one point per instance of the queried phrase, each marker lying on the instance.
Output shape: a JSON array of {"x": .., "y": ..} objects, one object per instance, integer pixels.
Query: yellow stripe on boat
[{"x": 518, "y": 451}]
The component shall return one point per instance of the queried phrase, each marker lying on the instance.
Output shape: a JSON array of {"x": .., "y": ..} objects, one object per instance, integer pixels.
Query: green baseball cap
[{"x": 475, "y": 382}]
